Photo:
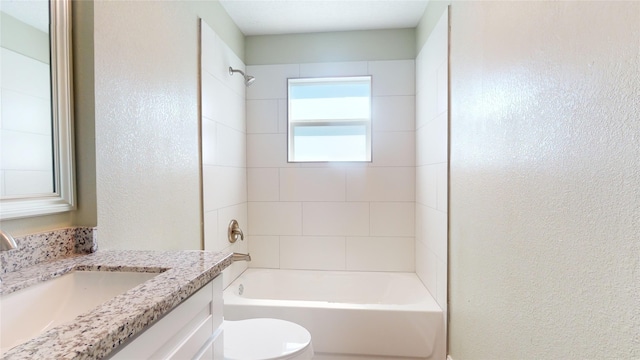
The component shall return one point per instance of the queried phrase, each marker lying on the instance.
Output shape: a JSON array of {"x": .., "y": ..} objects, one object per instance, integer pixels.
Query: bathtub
[{"x": 381, "y": 314}]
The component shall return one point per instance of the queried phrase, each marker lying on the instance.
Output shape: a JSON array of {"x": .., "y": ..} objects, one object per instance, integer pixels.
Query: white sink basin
[{"x": 27, "y": 313}]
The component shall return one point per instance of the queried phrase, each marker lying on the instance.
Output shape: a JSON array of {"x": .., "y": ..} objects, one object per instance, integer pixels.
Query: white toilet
[{"x": 266, "y": 339}]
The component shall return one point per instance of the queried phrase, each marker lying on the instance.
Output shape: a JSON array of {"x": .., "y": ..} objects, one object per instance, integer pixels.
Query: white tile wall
[
  {"x": 267, "y": 150},
  {"x": 17, "y": 182},
  {"x": 381, "y": 184},
  {"x": 262, "y": 116},
  {"x": 393, "y": 113},
  {"x": 441, "y": 283},
  {"x": 221, "y": 104},
  {"x": 392, "y": 219},
  {"x": 22, "y": 112},
  {"x": 265, "y": 252},
  {"x": 312, "y": 184},
  {"x": 431, "y": 163},
  {"x": 380, "y": 253},
  {"x": 26, "y": 159},
  {"x": 335, "y": 218},
  {"x": 263, "y": 184},
  {"x": 231, "y": 145},
  {"x": 211, "y": 240},
  {"x": 427, "y": 185},
  {"x": 25, "y": 75},
  {"x": 224, "y": 156},
  {"x": 355, "y": 216},
  {"x": 25, "y": 151},
  {"x": 282, "y": 116},
  {"x": 442, "y": 186},
  {"x": 392, "y": 78},
  {"x": 209, "y": 135},
  {"x": 216, "y": 58},
  {"x": 427, "y": 267},
  {"x": 394, "y": 148},
  {"x": 389, "y": 215},
  {"x": 275, "y": 218},
  {"x": 223, "y": 186},
  {"x": 432, "y": 148},
  {"x": 271, "y": 80},
  {"x": 433, "y": 229},
  {"x": 312, "y": 252}
]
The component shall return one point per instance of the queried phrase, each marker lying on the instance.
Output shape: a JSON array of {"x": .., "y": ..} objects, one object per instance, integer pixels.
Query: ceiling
[{"x": 268, "y": 17}]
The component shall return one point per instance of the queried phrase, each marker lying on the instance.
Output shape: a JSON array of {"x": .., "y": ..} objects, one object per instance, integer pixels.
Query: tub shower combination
[{"x": 347, "y": 313}]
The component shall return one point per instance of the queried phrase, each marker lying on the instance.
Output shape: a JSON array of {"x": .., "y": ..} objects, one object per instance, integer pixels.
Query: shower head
[{"x": 248, "y": 80}]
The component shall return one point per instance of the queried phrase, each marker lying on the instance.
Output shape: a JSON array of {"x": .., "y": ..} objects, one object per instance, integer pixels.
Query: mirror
[{"x": 36, "y": 117}]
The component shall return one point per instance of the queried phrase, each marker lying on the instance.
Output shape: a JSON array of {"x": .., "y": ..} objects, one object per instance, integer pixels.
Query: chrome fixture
[
  {"x": 234, "y": 231},
  {"x": 7, "y": 242},
  {"x": 248, "y": 79},
  {"x": 241, "y": 257}
]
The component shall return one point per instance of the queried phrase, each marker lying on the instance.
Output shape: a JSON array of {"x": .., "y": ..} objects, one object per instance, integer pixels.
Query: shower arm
[
  {"x": 248, "y": 79},
  {"x": 232, "y": 70}
]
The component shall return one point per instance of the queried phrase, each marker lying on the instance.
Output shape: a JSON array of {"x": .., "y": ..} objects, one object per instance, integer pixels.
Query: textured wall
[
  {"x": 147, "y": 163},
  {"x": 545, "y": 180}
]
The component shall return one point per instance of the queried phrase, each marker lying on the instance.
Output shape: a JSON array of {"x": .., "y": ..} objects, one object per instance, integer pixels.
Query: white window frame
[{"x": 292, "y": 125}]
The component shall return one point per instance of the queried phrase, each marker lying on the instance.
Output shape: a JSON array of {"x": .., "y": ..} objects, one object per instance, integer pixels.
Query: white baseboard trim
[{"x": 449, "y": 357}]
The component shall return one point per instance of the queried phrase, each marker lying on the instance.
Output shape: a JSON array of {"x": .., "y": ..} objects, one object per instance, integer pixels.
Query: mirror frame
[{"x": 64, "y": 198}]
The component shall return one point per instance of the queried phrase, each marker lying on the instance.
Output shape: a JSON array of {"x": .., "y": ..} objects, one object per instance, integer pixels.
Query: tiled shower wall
[
  {"x": 26, "y": 162},
  {"x": 339, "y": 216},
  {"x": 223, "y": 147},
  {"x": 431, "y": 162}
]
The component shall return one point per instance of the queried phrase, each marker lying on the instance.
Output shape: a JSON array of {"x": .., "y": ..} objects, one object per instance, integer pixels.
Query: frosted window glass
[{"x": 329, "y": 119}]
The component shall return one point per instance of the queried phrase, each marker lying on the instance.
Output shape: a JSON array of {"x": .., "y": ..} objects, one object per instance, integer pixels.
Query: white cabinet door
[
  {"x": 184, "y": 333},
  {"x": 214, "y": 350}
]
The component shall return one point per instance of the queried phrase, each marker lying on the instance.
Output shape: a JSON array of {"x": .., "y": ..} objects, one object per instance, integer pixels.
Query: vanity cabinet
[{"x": 192, "y": 330}]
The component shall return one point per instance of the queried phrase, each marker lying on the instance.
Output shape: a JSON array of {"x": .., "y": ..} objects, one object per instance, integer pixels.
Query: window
[{"x": 329, "y": 119}]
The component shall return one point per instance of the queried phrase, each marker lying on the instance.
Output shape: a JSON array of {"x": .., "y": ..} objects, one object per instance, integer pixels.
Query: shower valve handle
[{"x": 234, "y": 231}]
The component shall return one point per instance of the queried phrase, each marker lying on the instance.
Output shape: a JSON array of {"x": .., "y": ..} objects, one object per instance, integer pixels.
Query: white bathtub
[{"x": 350, "y": 313}]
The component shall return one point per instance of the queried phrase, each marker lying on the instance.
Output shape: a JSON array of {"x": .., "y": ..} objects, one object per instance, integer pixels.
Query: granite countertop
[{"x": 98, "y": 332}]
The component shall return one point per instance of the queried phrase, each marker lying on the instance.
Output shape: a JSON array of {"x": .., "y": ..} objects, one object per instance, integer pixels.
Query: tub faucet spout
[
  {"x": 241, "y": 257},
  {"x": 7, "y": 242}
]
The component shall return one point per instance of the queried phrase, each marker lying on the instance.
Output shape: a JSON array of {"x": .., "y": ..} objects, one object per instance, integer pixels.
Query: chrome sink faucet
[{"x": 7, "y": 242}]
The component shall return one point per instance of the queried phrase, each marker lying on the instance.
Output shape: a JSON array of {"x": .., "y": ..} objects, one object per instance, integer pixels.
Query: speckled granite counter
[{"x": 97, "y": 333}]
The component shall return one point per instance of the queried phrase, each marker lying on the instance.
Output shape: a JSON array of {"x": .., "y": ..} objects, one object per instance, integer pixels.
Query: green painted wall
[
  {"x": 23, "y": 38},
  {"x": 396, "y": 44}
]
